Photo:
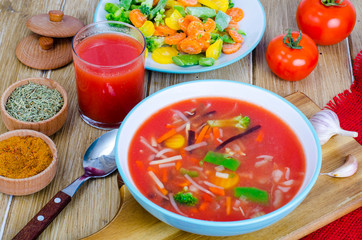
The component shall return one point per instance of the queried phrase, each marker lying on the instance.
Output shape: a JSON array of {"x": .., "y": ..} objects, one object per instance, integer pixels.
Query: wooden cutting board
[{"x": 329, "y": 199}]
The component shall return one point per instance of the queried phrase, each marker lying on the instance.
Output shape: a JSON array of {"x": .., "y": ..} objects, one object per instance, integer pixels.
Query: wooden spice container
[
  {"x": 25, "y": 186},
  {"x": 48, "y": 126},
  {"x": 50, "y": 46}
]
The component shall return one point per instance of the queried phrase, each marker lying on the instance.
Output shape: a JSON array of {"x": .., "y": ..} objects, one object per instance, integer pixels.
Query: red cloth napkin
[
  {"x": 348, "y": 106},
  {"x": 347, "y": 227}
]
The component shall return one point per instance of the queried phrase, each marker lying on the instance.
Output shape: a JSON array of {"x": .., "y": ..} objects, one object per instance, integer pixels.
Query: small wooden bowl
[
  {"x": 48, "y": 126},
  {"x": 26, "y": 186}
]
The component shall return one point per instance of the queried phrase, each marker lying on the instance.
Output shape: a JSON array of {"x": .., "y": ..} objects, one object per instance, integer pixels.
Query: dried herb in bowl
[{"x": 34, "y": 102}]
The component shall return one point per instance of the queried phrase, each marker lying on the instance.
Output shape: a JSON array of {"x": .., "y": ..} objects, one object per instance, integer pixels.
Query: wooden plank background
[{"x": 331, "y": 76}]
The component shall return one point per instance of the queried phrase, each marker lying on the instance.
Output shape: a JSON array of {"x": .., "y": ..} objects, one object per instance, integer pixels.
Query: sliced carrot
[
  {"x": 201, "y": 136},
  {"x": 178, "y": 165},
  {"x": 191, "y": 18},
  {"x": 204, "y": 39},
  {"x": 165, "y": 30},
  {"x": 184, "y": 22},
  {"x": 170, "y": 126},
  {"x": 190, "y": 46},
  {"x": 166, "y": 135},
  {"x": 206, "y": 197},
  {"x": 232, "y": 26},
  {"x": 235, "y": 13},
  {"x": 137, "y": 18},
  {"x": 228, "y": 205},
  {"x": 184, "y": 184},
  {"x": 175, "y": 39},
  {"x": 178, "y": 46},
  {"x": 229, "y": 48},
  {"x": 164, "y": 176},
  {"x": 163, "y": 191},
  {"x": 182, "y": 152},
  {"x": 194, "y": 28},
  {"x": 216, "y": 132},
  {"x": 217, "y": 191},
  {"x": 209, "y": 25},
  {"x": 236, "y": 36},
  {"x": 207, "y": 134},
  {"x": 154, "y": 170},
  {"x": 158, "y": 34},
  {"x": 260, "y": 136},
  {"x": 188, "y": 3},
  {"x": 203, "y": 206}
]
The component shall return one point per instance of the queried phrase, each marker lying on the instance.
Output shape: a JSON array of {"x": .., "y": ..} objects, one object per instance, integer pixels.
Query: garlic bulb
[
  {"x": 326, "y": 124},
  {"x": 346, "y": 170}
]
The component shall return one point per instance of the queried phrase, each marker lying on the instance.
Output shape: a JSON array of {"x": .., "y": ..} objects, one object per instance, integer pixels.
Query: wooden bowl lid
[
  {"x": 44, "y": 53},
  {"x": 54, "y": 24}
]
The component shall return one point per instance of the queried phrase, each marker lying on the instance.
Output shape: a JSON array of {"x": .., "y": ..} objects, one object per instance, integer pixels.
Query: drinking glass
[{"x": 109, "y": 61}]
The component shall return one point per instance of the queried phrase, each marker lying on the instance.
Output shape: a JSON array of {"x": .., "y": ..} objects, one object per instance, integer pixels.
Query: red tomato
[
  {"x": 326, "y": 25},
  {"x": 289, "y": 63}
]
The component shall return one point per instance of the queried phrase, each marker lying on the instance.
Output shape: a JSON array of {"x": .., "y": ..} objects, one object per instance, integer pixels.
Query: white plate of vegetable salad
[{"x": 211, "y": 35}]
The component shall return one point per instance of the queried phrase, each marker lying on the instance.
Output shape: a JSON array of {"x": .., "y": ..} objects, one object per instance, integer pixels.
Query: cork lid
[
  {"x": 44, "y": 53},
  {"x": 54, "y": 24}
]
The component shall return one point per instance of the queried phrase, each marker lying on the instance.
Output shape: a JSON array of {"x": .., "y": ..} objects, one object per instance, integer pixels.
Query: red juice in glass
[{"x": 109, "y": 71}]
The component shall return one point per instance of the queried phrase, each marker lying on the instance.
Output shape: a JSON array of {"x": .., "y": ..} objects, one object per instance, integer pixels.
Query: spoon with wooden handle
[{"x": 98, "y": 161}]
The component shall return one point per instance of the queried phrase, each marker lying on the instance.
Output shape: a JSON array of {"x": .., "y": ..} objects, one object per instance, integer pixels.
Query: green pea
[
  {"x": 201, "y": 12},
  {"x": 206, "y": 62},
  {"x": 187, "y": 60}
]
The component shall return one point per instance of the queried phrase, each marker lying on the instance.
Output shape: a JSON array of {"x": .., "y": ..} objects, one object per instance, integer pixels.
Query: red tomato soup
[
  {"x": 112, "y": 83},
  {"x": 217, "y": 159}
]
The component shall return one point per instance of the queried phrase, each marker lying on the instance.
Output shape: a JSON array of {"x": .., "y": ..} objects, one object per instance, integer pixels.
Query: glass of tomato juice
[{"x": 109, "y": 67}]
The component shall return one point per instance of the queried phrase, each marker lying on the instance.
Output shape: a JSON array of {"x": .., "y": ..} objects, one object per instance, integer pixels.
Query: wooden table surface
[{"x": 85, "y": 214}]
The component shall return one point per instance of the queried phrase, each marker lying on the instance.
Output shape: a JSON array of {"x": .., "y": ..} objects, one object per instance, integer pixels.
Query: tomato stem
[
  {"x": 329, "y": 3},
  {"x": 294, "y": 44}
]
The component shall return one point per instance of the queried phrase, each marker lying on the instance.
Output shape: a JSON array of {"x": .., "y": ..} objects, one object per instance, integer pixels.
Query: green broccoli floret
[
  {"x": 231, "y": 4},
  {"x": 120, "y": 15},
  {"x": 146, "y": 7},
  {"x": 159, "y": 17},
  {"x": 145, "y": 10},
  {"x": 214, "y": 37},
  {"x": 185, "y": 198},
  {"x": 160, "y": 6},
  {"x": 111, "y": 7},
  {"x": 154, "y": 42},
  {"x": 238, "y": 122},
  {"x": 148, "y": 3}
]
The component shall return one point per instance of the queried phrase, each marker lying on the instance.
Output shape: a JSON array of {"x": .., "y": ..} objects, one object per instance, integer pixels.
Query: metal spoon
[{"x": 98, "y": 161}]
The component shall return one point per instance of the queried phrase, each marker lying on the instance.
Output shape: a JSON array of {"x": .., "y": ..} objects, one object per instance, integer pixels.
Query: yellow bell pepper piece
[
  {"x": 169, "y": 12},
  {"x": 222, "y": 5},
  {"x": 147, "y": 29},
  {"x": 226, "y": 183},
  {"x": 214, "y": 51},
  {"x": 175, "y": 142},
  {"x": 170, "y": 4},
  {"x": 172, "y": 21},
  {"x": 163, "y": 55},
  {"x": 208, "y": 3},
  {"x": 146, "y": 53}
]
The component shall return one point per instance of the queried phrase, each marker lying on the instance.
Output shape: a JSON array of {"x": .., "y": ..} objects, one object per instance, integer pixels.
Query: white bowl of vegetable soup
[{"x": 217, "y": 157}]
